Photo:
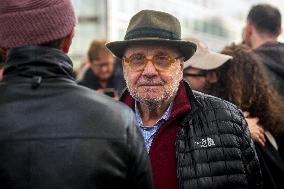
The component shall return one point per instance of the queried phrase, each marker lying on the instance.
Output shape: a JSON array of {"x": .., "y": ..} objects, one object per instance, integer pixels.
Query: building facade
[{"x": 217, "y": 22}]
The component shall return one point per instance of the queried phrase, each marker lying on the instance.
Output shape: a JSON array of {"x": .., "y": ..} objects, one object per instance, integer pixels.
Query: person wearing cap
[
  {"x": 193, "y": 140},
  {"x": 242, "y": 81},
  {"x": 203, "y": 72},
  {"x": 199, "y": 69},
  {"x": 54, "y": 133}
]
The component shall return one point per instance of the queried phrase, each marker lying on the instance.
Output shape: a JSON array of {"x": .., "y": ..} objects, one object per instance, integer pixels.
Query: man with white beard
[{"x": 193, "y": 140}]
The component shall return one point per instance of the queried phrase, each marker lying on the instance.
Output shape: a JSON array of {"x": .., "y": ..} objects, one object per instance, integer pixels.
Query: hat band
[{"x": 151, "y": 32}]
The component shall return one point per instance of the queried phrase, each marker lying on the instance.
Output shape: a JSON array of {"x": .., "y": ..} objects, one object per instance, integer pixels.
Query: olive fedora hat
[{"x": 154, "y": 27}]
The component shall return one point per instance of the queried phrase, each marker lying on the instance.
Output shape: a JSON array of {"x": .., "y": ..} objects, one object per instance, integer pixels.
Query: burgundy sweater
[{"x": 163, "y": 152}]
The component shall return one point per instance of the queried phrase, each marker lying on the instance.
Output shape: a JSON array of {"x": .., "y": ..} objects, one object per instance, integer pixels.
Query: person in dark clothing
[
  {"x": 54, "y": 133},
  {"x": 261, "y": 34},
  {"x": 193, "y": 140},
  {"x": 103, "y": 72},
  {"x": 241, "y": 80},
  {"x": 272, "y": 56}
]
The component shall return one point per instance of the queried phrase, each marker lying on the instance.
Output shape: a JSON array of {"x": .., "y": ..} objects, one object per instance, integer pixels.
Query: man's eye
[
  {"x": 162, "y": 58},
  {"x": 137, "y": 57}
]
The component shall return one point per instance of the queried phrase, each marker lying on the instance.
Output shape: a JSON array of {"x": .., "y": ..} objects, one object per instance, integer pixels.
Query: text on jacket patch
[{"x": 205, "y": 142}]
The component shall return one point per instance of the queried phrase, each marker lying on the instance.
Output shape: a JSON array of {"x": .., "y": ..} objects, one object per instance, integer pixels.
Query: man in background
[
  {"x": 261, "y": 34},
  {"x": 103, "y": 72},
  {"x": 54, "y": 133}
]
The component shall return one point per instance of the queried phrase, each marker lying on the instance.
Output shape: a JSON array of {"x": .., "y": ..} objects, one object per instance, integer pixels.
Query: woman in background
[{"x": 242, "y": 81}]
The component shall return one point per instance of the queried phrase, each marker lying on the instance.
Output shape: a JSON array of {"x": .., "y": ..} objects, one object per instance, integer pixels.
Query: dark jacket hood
[{"x": 272, "y": 55}]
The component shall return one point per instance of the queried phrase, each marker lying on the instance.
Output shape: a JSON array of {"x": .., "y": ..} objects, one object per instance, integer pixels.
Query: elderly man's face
[{"x": 155, "y": 82}]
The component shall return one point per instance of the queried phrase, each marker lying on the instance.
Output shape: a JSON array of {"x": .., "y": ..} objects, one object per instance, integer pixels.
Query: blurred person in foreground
[
  {"x": 102, "y": 73},
  {"x": 261, "y": 34},
  {"x": 194, "y": 140},
  {"x": 54, "y": 133},
  {"x": 237, "y": 77}
]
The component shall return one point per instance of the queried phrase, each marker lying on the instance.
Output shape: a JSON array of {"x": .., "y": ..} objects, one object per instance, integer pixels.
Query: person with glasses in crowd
[
  {"x": 239, "y": 78},
  {"x": 103, "y": 71},
  {"x": 198, "y": 70},
  {"x": 193, "y": 140}
]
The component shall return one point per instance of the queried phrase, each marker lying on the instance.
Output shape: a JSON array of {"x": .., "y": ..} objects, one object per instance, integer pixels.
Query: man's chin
[
  {"x": 151, "y": 93},
  {"x": 150, "y": 102},
  {"x": 150, "y": 89},
  {"x": 151, "y": 99}
]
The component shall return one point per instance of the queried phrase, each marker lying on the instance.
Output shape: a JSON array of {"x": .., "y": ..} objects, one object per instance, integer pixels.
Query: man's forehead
[{"x": 150, "y": 48}]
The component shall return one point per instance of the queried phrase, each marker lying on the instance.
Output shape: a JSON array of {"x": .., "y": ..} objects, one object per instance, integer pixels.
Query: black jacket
[
  {"x": 214, "y": 148},
  {"x": 272, "y": 166},
  {"x": 56, "y": 134},
  {"x": 272, "y": 56}
]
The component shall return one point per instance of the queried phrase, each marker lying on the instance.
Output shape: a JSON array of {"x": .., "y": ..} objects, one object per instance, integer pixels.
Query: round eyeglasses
[{"x": 138, "y": 62}]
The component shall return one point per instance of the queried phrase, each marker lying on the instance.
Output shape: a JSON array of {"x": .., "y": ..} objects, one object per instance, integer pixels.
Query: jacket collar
[
  {"x": 184, "y": 103},
  {"x": 45, "y": 62}
]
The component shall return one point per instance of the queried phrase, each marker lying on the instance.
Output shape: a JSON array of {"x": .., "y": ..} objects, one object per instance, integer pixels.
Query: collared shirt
[{"x": 149, "y": 132}]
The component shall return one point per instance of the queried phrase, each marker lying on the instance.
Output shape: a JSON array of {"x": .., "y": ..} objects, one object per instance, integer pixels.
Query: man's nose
[{"x": 150, "y": 70}]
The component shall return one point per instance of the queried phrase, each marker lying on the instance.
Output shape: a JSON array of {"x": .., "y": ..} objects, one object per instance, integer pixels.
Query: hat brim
[
  {"x": 186, "y": 48},
  {"x": 208, "y": 61}
]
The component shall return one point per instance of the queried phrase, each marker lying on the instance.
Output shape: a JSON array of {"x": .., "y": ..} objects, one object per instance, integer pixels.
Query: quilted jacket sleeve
[{"x": 249, "y": 157}]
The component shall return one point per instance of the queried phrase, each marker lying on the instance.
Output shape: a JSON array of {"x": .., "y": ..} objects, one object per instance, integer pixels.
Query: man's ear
[
  {"x": 68, "y": 41},
  {"x": 211, "y": 77},
  {"x": 249, "y": 28}
]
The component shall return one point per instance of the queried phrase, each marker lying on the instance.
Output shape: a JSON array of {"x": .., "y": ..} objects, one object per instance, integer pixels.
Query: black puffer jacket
[
  {"x": 214, "y": 148},
  {"x": 56, "y": 134}
]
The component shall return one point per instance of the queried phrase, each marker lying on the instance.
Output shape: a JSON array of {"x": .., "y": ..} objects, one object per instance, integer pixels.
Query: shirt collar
[{"x": 164, "y": 117}]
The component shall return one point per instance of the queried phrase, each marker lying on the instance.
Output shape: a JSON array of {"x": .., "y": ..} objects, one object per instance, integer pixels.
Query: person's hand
[
  {"x": 257, "y": 132},
  {"x": 116, "y": 97},
  {"x": 100, "y": 91}
]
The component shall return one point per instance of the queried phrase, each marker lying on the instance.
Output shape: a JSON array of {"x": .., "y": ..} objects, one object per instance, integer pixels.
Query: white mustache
[{"x": 145, "y": 82}]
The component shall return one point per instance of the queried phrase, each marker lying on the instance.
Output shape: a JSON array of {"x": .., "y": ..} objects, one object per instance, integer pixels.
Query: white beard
[{"x": 170, "y": 90}]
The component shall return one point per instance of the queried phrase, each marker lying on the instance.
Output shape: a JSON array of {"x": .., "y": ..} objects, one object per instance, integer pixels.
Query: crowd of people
[{"x": 153, "y": 110}]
